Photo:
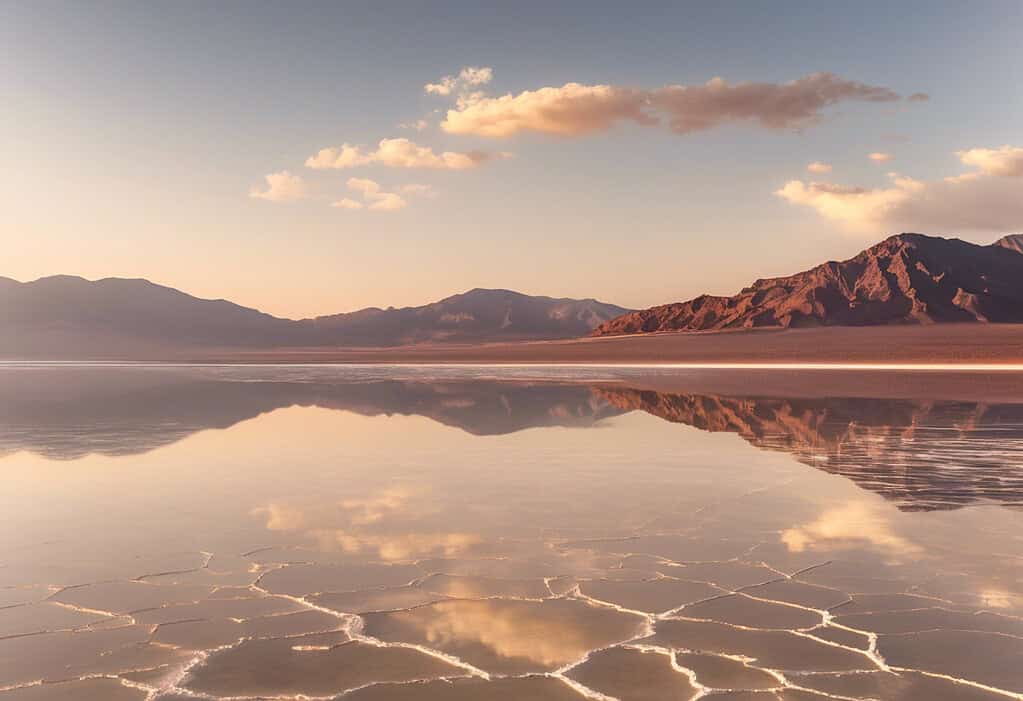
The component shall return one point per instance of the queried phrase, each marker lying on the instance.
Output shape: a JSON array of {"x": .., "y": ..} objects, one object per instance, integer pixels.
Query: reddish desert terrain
[{"x": 932, "y": 344}]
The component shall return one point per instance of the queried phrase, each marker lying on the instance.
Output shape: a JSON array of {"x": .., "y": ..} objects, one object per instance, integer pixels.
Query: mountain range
[
  {"x": 60, "y": 315},
  {"x": 905, "y": 279}
]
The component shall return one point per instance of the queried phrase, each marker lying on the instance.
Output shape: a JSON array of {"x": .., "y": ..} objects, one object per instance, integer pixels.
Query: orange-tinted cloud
[
  {"x": 1004, "y": 161},
  {"x": 394, "y": 153},
  {"x": 282, "y": 187},
  {"x": 575, "y": 109},
  {"x": 984, "y": 200}
]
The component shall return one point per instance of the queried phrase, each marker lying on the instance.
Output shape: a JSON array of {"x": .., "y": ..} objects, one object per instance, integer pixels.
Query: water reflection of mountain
[
  {"x": 64, "y": 416},
  {"x": 921, "y": 455}
]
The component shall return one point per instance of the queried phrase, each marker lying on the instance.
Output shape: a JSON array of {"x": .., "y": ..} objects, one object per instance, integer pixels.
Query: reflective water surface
[{"x": 519, "y": 533}]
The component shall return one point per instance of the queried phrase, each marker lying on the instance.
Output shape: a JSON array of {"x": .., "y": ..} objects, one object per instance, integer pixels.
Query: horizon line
[{"x": 882, "y": 367}]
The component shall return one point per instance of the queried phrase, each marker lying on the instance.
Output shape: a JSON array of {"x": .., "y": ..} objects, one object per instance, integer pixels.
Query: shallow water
[{"x": 513, "y": 533}]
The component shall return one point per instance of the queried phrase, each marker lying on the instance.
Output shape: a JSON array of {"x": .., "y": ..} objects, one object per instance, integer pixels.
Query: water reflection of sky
[{"x": 528, "y": 501}]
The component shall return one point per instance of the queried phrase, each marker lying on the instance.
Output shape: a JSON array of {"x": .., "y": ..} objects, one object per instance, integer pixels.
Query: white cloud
[
  {"x": 983, "y": 201},
  {"x": 282, "y": 187},
  {"x": 575, "y": 109},
  {"x": 394, "y": 153},
  {"x": 1005, "y": 161},
  {"x": 468, "y": 78},
  {"x": 879, "y": 157},
  {"x": 418, "y": 125},
  {"x": 818, "y": 167}
]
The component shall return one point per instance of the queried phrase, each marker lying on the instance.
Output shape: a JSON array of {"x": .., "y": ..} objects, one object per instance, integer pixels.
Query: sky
[{"x": 313, "y": 158}]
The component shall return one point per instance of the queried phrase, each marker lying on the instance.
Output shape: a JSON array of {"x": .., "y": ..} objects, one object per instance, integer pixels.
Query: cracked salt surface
[{"x": 406, "y": 539}]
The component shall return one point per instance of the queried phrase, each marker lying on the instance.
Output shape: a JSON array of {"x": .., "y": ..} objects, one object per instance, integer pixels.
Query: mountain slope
[
  {"x": 62, "y": 311},
  {"x": 477, "y": 315},
  {"x": 905, "y": 279},
  {"x": 65, "y": 316},
  {"x": 1014, "y": 242}
]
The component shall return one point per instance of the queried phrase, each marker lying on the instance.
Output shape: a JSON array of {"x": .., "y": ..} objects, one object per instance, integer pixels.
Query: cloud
[
  {"x": 394, "y": 153},
  {"x": 879, "y": 157},
  {"x": 416, "y": 189},
  {"x": 818, "y": 167},
  {"x": 387, "y": 202},
  {"x": 575, "y": 109},
  {"x": 346, "y": 203},
  {"x": 368, "y": 188},
  {"x": 1004, "y": 161},
  {"x": 418, "y": 125},
  {"x": 468, "y": 78},
  {"x": 376, "y": 199},
  {"x": 570, "y": 110},
  {"x": 987, "y": 200},
  {"x": 918, "y": 97},
  {"x": 282, "y": 187},
  {"x": 856, "y": 207},
  {"x": 791, "y": 105}
]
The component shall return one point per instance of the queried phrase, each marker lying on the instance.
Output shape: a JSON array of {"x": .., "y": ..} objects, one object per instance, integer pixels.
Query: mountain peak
[
  {"x": 1013, "y": 242},
  {"x": 64, "y": 315},
  {"x": 907, "y": 278}
]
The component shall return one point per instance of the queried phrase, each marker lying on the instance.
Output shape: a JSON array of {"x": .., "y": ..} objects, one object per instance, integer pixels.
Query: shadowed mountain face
[
  {"x": 921, "y": 455},
  {"x": 67, "y": 316},
  {"x": 906, "y": 279}
]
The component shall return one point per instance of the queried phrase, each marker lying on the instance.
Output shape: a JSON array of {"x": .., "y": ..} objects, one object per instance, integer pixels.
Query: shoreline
[
  {"x": 940, "y": 346},
  {"x": 781, "y": 366}
]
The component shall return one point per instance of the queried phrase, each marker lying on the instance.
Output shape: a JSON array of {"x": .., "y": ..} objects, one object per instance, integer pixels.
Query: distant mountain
[
  {"x": 62, "y": 313},
  {"x": 477, "y": 315},
  {"x": 66, "y": 316},
  {"x": 905, "y": 279}
]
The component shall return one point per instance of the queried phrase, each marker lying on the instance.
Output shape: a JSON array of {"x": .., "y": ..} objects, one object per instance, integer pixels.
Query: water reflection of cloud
[
  {"x": 852, "y": 524},
  {"x": 998, "y": 599},
  {"x": 280, "y": 517},
  {"x": 375, "y": 508},
  {"x": 353, "y": 526},
  {"x": 395, "y": 547},
  {"x": 549, "y": 635}
]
